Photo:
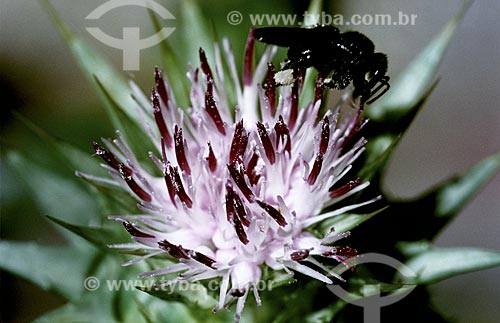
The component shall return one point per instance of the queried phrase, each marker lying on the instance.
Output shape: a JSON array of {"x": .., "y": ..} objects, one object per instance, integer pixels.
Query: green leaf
[
  {"x": 314, "y": 13},
  {"x": 53, "y": 268},
  {"x": 326, "y": 314},
  {"x": 193, "y": 22},
  {"x": 54, "y": 194},
  {"x": 458, "y": 191},
  {"x": 297, "y": 298},
  {"x": 112, "y": 199},
  {"x": 140, "y": 142},
  {"x": 76, "y": 313},
  {"x": 71, "y": 157},
  {"x": 413, "y": 248},
  {"x": 196, "y": 298},
  {"x": 428, "y": 214},
  {"x": 347, "y": 221},
  {"x": 424, "y": 216},
  {"x": 276, "y": 278},
  {"x": 441, "y": 263},
  {"x": 157, "y": 310},
  {"x": 109, "y": 298},
  {"x": 378, "y": 152},
  {"x": 99, "y": 236},
  {"x": 414, "y": 81},
  {"x": 193, "y": 293}
]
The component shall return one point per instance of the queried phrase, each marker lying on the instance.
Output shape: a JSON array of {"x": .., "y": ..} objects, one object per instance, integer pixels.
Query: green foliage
[
  {"x": 48, "y": 266},
  {"x": 436, "y": 264},
  {"x": 197, "y": 295}
]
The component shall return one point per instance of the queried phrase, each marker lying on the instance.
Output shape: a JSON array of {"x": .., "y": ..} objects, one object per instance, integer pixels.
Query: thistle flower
[{"x": 240, "y": 192}]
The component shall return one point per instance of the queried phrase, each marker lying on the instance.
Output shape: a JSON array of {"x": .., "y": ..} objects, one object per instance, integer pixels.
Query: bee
[{"x": 339, "y": 57}]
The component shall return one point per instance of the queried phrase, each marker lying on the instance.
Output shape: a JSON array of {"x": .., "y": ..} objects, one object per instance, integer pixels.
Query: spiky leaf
[
  {"x": 425, "y": 216},
  {"x": 437, "y": 264},
  {"x": 99, "y": 236},
  {"x": 56, "y": 269}
]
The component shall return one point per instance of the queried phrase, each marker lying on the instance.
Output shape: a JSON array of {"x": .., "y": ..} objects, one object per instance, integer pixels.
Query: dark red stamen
[
  {"x": 342, "y": 254},
  {"x": 323, "y": 146},
  {"x": 239, "y": 144},
  {"x": 282, "y": 134},
  {"x": 345, "y": 188},
  {"x": 203, "y": 259},
  {"x": 160, "y": 87},
  {"x": 212, "y": 161},
  {"x": 134, "y": 231},
  {"x": 179, "y": 188},
  {"x": 240, "y": 182},
  {"x": 247, "y": 64},
  {"x": 138, "y": 190},
  {"x": 270, "y": 88},
  {"x": 195, "y": 75},
  {"x": 318, "y": 94},
  {"x": 163, "y": 151},
  {"x": 318, "y": 90},
  {"x": 231, "y": 212},
  {"x": 253, "y": 177},
  {"x": 240, "y": 210},
  {"x": 275, "y": 214},
  {"x": 240, "y": 231},
  {"x": 229, "y": 202},
  {"x": 205, "y": 67},
  {"x": 346, "y": 252},
  {"x": 266, "y": 143},
  {"x": 348, "y": 141},
  {"x": 168, "y": 175},
  {"x": 160, "y": 122},
  {"x": 299, "y": 254},
  {"x": 212, "y": 110},
  {"x": 318, "y": 163},
  {"x": 108, "y": 157},
  {"x": 179, "y": 150},
  {"x": 325, "y": 136},
  {"x": 177, "y": 252},
  {"x": 124, "y": 171}
]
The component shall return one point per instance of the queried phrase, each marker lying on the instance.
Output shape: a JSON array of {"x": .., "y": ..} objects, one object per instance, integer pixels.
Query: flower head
[{"x": 239, "y": 192}]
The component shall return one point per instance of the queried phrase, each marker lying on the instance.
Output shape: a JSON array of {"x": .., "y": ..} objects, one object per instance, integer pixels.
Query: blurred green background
[{"x": 459, "y": 126}]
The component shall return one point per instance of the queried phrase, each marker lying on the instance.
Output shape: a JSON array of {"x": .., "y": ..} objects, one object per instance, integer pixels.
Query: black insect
[{"x": 339, "y": 57}]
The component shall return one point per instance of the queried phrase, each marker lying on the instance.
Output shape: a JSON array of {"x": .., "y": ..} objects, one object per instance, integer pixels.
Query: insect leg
[{"x": 384, "y": 85}]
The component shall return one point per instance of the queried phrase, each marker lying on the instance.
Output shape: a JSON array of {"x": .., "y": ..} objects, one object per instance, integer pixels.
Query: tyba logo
[
  {"x": 371, "y": 299},
  {"x": 131, "y": 44}
]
